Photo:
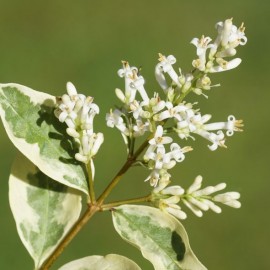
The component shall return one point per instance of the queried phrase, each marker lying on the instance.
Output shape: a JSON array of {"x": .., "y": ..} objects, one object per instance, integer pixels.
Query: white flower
[
  {"x": 173, "y": 190},
  {"x": 176, "y": 211},
  {"x": 127, "y": 73},
  {"x": 229, "y": 35},
  {"x": 237, "y": 36},
  {"x": 140, "y": 128},
  {"x": 137, "y": 109},
  {"x": 217, "y": 139},
  {"x": 199, "y": 200},
  {"x": 161, "y": 159},
  {"x": 154, "y": 178},
  {"x": 133, "y": 83},
  {"x": 161, "y": 78},
  {"x": 170, "y": 206},
  {"x": 163, "y": 182},
  {"x": 78, "y": 112},
  {"x": 231, "y": 126},
  {"x": 120, "y": 95},
  {"x": 165, "y": 66},
  {"x": 114, "y": 119},
  {"x": 225, "y": 65},
  {"x": 157, "y": 142},
  {"x": 96, "y": 141},
  {"x": 156, "y": 104},
  {"x": 194, "y": 122},
  {"x": 171, "y": 112},
  {"x": 138, "y": 84},
  {"x": 177, "y": 153},
  {"x": 228, "y": 198},
  {"x": 202, "y": 45}
]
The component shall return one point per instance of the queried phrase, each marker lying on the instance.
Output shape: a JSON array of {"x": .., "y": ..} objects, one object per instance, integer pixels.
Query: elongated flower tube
[
  {"x": 127, "y": 73},
  {"x": 133, "y": 83},
  {"x": 165, "y": 66},
  {"x": 202, "y": 45}
]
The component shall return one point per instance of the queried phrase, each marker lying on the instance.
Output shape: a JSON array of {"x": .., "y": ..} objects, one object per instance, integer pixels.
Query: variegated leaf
[
  {"x": 108, "y": 262},
  {"x": 161, "y": 238},
  {"x": 30, "y": 123},
  {"x": 44, "y": 210}
]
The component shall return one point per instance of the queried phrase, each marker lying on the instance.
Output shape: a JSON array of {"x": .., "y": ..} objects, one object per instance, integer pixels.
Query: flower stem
[
  {"x": 121, "y": 172},
  {"x": 91, "y": 183}
]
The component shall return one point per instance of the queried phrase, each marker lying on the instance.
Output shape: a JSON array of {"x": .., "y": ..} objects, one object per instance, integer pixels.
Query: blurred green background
[{"x": 44, "y": 44}]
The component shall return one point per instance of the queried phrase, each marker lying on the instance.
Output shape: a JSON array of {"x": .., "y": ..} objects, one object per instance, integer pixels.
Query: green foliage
[
  {"x": 161, "y": 238},
  {"x": 44, "y": 210},
  {"x": 30, "y": 123}
]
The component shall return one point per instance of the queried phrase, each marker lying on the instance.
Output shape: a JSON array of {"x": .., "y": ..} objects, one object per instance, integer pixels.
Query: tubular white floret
[
  {"x": 225, "y": 65},
  {"x": 133, "y": 83},
  {"x": 173, "y": 190},
  {"x": 198, "y": 200},
  {"x": 196, "y": 185},
  {"x": 175, "y": 211},
  {"x": 165, "y": 66},
  {"x": 202, "y": 45}
]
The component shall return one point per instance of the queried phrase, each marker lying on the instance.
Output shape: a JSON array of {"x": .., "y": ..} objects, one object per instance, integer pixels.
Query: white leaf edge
[
  {"x": 190, "y": 261},
  {"x": 95, "y": 262},
  {"x": 21, "y": 210},
  {"x": 31, "y": 151}
]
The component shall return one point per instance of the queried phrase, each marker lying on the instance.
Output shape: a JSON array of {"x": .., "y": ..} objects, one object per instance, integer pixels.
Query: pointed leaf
[
  {"x": 43, "y": 209},
  {"x": 108, "y": 262},
  {"x": 161, "y": 238},
  {"x": 30, "y": 123}
]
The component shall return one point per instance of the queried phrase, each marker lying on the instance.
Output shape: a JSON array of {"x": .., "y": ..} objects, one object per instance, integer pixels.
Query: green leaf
[
  {"x": 161, "y": 238},
  {"x": 44, "y": 210},
  {"x": 108, "y": 262},
  {"x": 30, "y": 123}
]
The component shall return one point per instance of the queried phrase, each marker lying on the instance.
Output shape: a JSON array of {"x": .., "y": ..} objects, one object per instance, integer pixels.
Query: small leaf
[
  {"x": 28, "y": 117},
  {"x": 44, "y": 210},
  {"x": 108, "y": 262},
  {"x": 161, "y": 238}
]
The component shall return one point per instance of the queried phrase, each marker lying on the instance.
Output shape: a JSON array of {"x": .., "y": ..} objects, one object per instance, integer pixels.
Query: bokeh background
[{"x": 44, "y": 44}]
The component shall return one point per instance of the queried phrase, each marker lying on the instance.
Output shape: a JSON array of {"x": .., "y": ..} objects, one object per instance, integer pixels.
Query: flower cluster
[
  {"x": 157, "y": 117},
  {"x": 229, "y": 37},
  {"x": 195, "y": 198},
  {"x": 142, "y": 114},
  {"x": 78, "y": 112}
]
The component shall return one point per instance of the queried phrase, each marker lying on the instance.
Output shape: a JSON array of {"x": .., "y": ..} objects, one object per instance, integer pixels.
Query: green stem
[
  {"x": 71, "y": 234},
  {"x": 109, "y": 206},
  {"x": 183, "y": 95},
  {"x": 91, "y": 183},
  {"x": 121, "y": 172},
  {"x": 131, "y": 146}
]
